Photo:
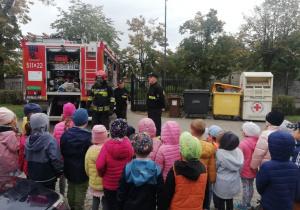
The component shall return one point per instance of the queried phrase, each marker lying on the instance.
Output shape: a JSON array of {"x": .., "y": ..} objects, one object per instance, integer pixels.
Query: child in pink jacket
[
  {"x": 147, "y": 125},
  {"x": 250, "y": 132},
  {"x": 169, "y": 152},
  {"x": 9, "y": 143},
  {"x": 65, "y": 123},
  {"x": 261, "y": 153},
  {"x": 114, "y": 155}
]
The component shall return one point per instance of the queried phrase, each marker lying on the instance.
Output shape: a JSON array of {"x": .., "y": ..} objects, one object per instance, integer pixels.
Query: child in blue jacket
[{"x": 276, "y": 179}]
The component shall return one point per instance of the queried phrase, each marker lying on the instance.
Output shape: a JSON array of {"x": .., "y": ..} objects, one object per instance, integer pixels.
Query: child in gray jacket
[{"x": 229, "y": 163}]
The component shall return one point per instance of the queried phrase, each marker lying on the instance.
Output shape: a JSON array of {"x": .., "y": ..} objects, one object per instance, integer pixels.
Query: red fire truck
[{"x": 58, "y": 71}]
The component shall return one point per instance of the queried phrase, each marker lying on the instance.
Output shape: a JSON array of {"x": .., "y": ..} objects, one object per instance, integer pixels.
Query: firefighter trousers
[
  {"x": 100, "y": 118},
  {"x": 155, "y": 115},
  {"x": 121, "y": 111}
]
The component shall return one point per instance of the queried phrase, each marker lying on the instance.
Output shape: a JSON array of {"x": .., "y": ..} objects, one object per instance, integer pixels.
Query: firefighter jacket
[
  {"x": 155, "y": 97},
  {"x": 102, "y": 96},
  {"x": 121, "y": 96}
]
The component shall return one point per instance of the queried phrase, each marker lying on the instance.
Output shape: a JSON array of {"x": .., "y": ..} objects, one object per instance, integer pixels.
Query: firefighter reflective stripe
[
  {"x": 100, "y": 109},
  {"x": 152, "y": 97},
  {"x": 104, "y": 94},
  {"x": 90, "y": 98},
  {"x": 124, "y": 96},
  {"x": 112, "y": 100}
]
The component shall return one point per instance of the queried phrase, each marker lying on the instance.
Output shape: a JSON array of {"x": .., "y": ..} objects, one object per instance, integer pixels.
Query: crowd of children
[{"x": 129, "y": 170}]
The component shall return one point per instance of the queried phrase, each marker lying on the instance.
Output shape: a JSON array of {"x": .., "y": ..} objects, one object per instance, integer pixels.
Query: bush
[
  {"x": 11, "y": 97},
  {"x": 285, "y": 103}
]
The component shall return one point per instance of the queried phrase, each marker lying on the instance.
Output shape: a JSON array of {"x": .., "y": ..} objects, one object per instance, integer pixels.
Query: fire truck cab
[{"x": 58, "y": 71}]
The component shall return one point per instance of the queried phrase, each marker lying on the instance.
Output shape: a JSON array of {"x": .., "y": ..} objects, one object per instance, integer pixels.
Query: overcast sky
[{"x": 178, "y": 11}]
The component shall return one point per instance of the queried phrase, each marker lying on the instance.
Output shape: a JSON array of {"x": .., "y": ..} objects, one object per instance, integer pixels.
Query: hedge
[
  {"x": 285, "y": 103},
  {"x": 14, "y": 97}
]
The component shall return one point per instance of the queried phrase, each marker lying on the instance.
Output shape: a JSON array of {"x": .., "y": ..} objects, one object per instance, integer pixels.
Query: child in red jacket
[{"x": 114, "y": 155}]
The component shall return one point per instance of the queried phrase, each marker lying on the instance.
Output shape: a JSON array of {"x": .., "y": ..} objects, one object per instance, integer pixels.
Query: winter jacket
[
  {"x": 208, "y": 158},
  {"x": 296, "y": 160},
  {"x": 22, "y": 160},
  {"x": 95, "y": 181},
  {"x": 276, "y": 179},
  {"x": 9, "y": 145},
  {"x": 229, "y": 165},
  {"x": 112, "y": 158},
  {"x": 121, "y": 96},
  {"x": 140, "y": 185},
  {"x": 186, "y": 187},
  {"x": 247, "y": 146},
  {"x": 74, "y": 144},
  {"x": 261, "y": 152},
  {"x": 169, "y": 152},
  {"x": 43, "y": 158},
  {"x": 147, "y": 125},
  {"x": 59, "y": 129}
]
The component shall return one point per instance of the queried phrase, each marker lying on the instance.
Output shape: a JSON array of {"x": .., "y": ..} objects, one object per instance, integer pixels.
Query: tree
[
  {"x": 86, "y": 20},
  {"x": 12, "y": 12},
  {"x": 267, "y": 30},
  {"x": 197, "y": 58},
  {"x": 146, "y": 37}
]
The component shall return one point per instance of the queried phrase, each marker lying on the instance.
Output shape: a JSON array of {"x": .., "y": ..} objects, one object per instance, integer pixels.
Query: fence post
[{"x": 132, "y": 92}]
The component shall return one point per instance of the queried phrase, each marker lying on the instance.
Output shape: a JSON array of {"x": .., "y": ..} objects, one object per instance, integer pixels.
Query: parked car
[{"x": 17, "y": 193}]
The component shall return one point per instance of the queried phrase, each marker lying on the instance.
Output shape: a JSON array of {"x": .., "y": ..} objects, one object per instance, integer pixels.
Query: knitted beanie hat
[
  {"x": 190, "y": 147},
  {"x": 130, "y": 131},
  {"x": 229, "y": 141},
  {"x": 275, "y": 117},
  {"x": 32, "y": 108},
  {"x": 99, "y": 134},
  {"x": 142, "y": 143},
  {"x": 80, "y": 117},
  {"x": 251, "y": 129},
  {"x": 68, "y": 109},
  {"x": 118, "y": 128},
  {"x": 286, "y": 126},
  {"x": 6, "y": 116}
]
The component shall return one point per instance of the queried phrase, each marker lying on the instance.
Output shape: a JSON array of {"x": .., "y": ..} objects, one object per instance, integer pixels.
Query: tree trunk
[{"x": 286, "y": 91}]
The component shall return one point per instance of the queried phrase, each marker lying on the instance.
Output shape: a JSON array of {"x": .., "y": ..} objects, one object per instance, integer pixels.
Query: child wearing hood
[
  {"x": 261, "y": 152},
  {"x": 59, "y": 129},
  {"x": 250, "y": 132},
  {"x": 9, "y": 142},
  {"x": 229, "y": 163},
  {"x": 147, "y": 125},
  {"x": 168, "y": 152},
  {"x": 186, "y": 186},
  {"x": 42, "y": 153},
  {"x": 74, "y": 143},
  {"x": 276, "y": 179},
  {"x": 114, "y": 155},
  {"x": 141, "y": 181},
  {"x": 99, "y": 135}
]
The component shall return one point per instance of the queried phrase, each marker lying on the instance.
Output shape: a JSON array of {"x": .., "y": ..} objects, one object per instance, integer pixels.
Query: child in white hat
[
  {"x": 9, "y": 142},
  {"x": 250, "y": 132},
  {"x": 99, "y": 136}
]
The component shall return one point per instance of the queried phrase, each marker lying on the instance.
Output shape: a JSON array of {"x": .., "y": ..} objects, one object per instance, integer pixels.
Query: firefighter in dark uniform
[
  {"x": 102, "y": 100},
  {"x": 122, "y": 97},
  {"x": 155, "y": 101}
]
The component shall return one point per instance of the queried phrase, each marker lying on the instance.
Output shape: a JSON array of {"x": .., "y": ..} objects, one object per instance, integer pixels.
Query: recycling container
[{"x": 196, "y": 101}]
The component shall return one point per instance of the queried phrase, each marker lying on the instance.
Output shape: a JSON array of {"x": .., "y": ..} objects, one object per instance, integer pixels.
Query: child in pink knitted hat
[
  {"x": 64, "y": 124},
  {"x": 99, "y": 136}
]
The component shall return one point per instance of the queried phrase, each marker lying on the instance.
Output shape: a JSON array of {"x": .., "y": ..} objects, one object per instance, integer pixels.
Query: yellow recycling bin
[{"x": 226, "y": 100}]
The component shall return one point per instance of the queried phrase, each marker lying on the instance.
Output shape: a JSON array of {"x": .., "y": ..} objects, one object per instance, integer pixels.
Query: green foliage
[
  {"x": 285, "y": 103},
  {"x": 85, "y": 20},
  {"x": 17, "y": 109},
  {"x": 11, "y": 97}
]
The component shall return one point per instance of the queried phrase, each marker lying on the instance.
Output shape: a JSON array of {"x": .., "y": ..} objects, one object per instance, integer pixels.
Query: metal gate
[{"x": 139, "y": 89}]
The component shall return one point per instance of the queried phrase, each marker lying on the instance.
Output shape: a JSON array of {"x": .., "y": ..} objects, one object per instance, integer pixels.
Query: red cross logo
[{"x": 257, "y": 107}]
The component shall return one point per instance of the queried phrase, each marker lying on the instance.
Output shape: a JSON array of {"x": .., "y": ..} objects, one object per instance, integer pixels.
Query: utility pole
[{"x": 165, "y": 64}]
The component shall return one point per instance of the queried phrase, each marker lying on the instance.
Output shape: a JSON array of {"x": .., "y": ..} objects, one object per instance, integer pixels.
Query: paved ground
[{"x": 234, "y": 126}]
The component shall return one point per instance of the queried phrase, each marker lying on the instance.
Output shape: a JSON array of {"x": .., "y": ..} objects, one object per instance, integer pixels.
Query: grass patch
[
  {"x": 292, "y": 118},
  {"x": 17, "y": 109}
]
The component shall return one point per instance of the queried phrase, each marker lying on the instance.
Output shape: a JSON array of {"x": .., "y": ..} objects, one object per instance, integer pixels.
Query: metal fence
[
  {"x": 14, "y": 83},
  {"x": 173, "y": 86}
]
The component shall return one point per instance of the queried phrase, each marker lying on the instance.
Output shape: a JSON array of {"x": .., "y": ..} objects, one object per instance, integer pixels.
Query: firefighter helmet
[{"x": 101, "y": 73}]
